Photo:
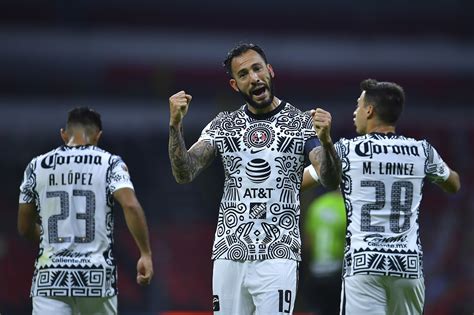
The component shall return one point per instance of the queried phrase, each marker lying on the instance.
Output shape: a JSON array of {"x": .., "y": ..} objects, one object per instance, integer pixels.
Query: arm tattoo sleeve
[
  {"x": 329, "y": 165},
  {"x": 187, "y": 164}
]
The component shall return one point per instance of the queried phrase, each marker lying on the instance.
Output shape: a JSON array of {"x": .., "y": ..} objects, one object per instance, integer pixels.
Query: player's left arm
[
  {"x": 439, "y": 172},
  {"x": 324, "y": 158},
  {"x": 27, "y": 222},
  {"x": 452, "y": 184},
  {"x": 137, "y": 225}
]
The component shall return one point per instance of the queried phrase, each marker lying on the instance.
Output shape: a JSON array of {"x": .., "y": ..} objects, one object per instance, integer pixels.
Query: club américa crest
[{"x": 259, "y": 135}]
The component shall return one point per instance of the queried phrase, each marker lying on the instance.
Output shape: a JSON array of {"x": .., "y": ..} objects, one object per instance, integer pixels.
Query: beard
[{"x": 265, "y": 103}]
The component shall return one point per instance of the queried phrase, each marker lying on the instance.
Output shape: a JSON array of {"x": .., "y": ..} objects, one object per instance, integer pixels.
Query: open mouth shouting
[{"x": 259, "y": 92}]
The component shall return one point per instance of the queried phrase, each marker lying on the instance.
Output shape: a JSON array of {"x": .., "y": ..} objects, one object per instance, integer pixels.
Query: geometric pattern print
[
  {"x": 259, "y": 220},
  {"x": 431, "y": 168},
  {"x": 29, "y": 184},
  {"x": 65, "y": 281},
  {"x": 386, "y": 263},
  {"x": 407, "y": 263},
  {"x": 342, "y": 148}
]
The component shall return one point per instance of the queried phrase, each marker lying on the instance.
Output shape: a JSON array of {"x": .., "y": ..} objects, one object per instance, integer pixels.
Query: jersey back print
[
  {"x": 73, "y": 190},
  {"x": 382, "y": 181}
]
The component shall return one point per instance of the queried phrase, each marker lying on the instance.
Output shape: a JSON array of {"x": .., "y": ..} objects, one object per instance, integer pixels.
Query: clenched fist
[
  {"x": 179, "y": 104},
  {"x": 322, "y": 124}
]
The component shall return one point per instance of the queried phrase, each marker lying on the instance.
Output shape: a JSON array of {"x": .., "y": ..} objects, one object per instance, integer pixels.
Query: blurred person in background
[
  {"x": 263, "y": 145},
  {"x": 66, "y": 201},
  {"x": 324, "y": 236},
  {"x": 382, "y": 178}
]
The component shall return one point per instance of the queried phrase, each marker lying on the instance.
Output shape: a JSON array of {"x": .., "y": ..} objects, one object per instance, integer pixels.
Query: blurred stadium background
[{"x": 125, "y": 58}]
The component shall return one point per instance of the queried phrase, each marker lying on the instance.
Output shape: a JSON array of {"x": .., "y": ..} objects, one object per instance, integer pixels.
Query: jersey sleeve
[
  {"x": 310, "y": 137},
  {"x": 342, "y": 148},
  {"x": 208, "y": 134},
  {"x": 118, "y": 176},
  {"x": 436, "y": 169},
  {"x": 28, "y": 184}
]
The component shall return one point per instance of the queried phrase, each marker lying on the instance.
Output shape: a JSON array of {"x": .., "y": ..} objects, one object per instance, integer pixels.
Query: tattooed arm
[
  {"x": 324, "y": 157},
  {"x": 185, "y": 164},
  {"x": 326, "y": 162}
]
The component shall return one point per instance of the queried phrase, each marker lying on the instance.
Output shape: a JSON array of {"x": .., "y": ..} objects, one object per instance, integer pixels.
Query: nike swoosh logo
[{"x": 256, "y": 151}]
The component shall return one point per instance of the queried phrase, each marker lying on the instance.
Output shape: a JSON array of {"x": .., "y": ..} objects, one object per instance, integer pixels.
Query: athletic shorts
[
  {"x": 262, "y": 287},
  {"x": 74, "y": 305},
  {"x": 378, "y": 295}
]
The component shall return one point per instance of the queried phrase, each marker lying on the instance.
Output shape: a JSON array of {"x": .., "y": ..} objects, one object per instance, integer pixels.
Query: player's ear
[
  {"x": 97, "y": 137},
  {"x": 233, "y": 84},
  {"x": 370, "y": 111},
  {"x": 270, "y": 69},
  {"x": 64, "y": 136}
]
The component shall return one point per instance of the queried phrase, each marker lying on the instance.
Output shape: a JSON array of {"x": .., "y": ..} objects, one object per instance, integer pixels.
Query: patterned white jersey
[
  {"x": 263, "y": 158},
  {"x": 72, "y": 188},
  {"x": 382, "y": 183}
]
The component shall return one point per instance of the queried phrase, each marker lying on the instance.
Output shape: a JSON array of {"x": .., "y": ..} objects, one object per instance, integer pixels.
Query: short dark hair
[
  {"x": 387, "y": 98},
  {"x": 84, "y": 116},
  {"x": 238, "y": 50}
]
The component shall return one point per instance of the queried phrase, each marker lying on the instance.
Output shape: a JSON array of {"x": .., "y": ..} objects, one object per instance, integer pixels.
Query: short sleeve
[
  {"x": 436, "y": 169},
  {"x": 208, "y": 134},
  {"x": 118, "y": 176},
  {"x": 28, "y": 184},
  {"x": 342, "y": 148},
  {"x": 308, "y": 130}
]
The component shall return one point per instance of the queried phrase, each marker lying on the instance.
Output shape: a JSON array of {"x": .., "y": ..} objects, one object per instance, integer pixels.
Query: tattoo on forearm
[
  {"x": 186, "y": 165},
  {"x": 329, "y": 166}
]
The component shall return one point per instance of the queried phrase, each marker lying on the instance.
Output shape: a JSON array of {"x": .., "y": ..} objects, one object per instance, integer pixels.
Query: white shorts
[
  {"x": 262, "y": 287},
  {"x": 369, "y": 294},
  {"x": 74, "y": 305}
]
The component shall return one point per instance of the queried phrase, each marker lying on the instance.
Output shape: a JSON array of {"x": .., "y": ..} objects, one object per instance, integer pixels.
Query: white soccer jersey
[
  {"x": 263, "y": 158},
  {"x": 382, "y": 185},
  {"x": 72, "y": 188}
]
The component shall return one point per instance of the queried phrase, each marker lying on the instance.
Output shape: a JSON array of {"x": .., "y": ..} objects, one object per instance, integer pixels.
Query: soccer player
[
  {"x": 66, "y": 200},
  {"x": 382, "y": 178},
  {"x": 262, "y": 145}
]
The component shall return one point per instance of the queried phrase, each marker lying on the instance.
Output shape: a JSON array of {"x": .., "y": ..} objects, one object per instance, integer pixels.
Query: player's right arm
[
  {"x": 27, "y": 222},
  {"x": 452, "y": 184},
  {"x": 185, "y": 164}
]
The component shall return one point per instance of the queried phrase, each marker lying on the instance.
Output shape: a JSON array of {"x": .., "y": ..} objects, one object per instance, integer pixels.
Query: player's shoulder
[
  {"x": 94, "y": 150},
  {"x": 42, "y": 158},
  {"x": 290, "y": 108},
  {"x": 239, "y": 112},
  {"x": 344, "y": 140},
  {"x": 291, "y": 113}
]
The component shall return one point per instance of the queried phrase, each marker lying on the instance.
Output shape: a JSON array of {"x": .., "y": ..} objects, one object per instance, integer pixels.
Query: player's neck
[
  {"x": 78, "y": 140},
  {"x": 259, "y": 111},
  {"x": 381, "y": 129}
]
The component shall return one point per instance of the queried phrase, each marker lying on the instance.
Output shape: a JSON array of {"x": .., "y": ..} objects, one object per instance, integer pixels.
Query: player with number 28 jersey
[{"x": 383, "y": 229}]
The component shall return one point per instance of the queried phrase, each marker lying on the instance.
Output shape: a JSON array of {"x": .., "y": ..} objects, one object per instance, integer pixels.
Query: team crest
[{"x": 259, "y": 136}]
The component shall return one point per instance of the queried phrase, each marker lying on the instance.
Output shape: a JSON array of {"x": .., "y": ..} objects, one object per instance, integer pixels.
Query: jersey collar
[{"x": 266, "y": 115}]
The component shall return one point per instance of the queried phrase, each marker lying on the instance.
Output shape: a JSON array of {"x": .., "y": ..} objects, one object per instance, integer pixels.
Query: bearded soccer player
[
  {"x": 262, "y": 145},
  {"x": 66, "y": 201}
]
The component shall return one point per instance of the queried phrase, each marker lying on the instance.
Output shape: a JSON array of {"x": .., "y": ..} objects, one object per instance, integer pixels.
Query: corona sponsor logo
[
  {"x": 369, "y": 149},
  {"x": 51, "y": 161}
]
